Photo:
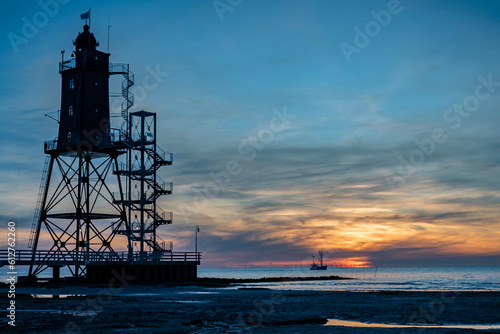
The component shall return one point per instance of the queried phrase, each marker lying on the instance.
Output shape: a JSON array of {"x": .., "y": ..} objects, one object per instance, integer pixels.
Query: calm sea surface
[
  {"x": 431, "y": 278},
  {"x": 370, "y": 279}
]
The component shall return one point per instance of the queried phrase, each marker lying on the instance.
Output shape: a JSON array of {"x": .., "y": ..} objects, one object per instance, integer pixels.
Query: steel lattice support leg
[{"x": 79, "y": 214}]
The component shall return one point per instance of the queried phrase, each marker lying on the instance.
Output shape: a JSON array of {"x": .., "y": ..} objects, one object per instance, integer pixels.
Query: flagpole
[
  {"x": 86, "y": 16},
  {"x": 89, "y": 17},
  {"x": 108, "y": 35}
]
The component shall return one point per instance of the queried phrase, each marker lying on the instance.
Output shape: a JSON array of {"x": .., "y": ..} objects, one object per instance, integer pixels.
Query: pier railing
[{"x": 45, "y": 257}]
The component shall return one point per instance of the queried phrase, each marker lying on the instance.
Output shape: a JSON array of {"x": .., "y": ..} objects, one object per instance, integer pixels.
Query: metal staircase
[
  {"x": 143, "y": 185},
  {"x": 126, "y": 93},
  {"x": 128, "y": 82},
  {"x": 159, "y": 187},
  {"x": 39, "y": 202},
  {"x": 159, "y": 157},
  {"x": 159, "y": 217},
  {"x": 155, "y": 246},
  {"x": 158, "y": 248}
]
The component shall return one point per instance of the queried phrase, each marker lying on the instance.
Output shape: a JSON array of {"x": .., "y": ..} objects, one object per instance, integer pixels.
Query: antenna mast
[{"x": 109, "y": 26}]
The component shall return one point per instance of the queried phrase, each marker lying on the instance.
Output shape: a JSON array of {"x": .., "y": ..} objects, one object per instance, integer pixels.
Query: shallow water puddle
[
  {"x": 198, "y": 292},
  {"x": 56, "y": 296},
  {"x": 75, "y": 313},
  {"x": 346, "y": 323}
]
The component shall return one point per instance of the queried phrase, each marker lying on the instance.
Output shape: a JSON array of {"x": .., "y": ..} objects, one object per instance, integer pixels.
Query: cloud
[{"x": 322, "y": 183}]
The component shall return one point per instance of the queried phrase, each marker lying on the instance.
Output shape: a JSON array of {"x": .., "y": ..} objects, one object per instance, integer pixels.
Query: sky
[{"x": 365, "y": 129}]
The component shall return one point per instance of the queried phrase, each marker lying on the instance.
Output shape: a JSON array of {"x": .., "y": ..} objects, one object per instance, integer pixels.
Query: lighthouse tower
[
  {"x": 97, "y": 208},
  {"x": 84, "y": 119}
]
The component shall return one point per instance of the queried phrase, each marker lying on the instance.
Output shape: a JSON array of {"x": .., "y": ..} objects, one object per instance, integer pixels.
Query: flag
[{"x": 85, "y": 16}]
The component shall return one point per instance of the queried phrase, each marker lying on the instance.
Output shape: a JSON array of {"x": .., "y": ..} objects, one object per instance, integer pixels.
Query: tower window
[
  {"x": 70, "y": 110},
  {"x": 97, "y": 110},
  {"x": 68, "y": 137},
  {"x": 72, "y": 84},
  {"x": 96, "y": 83}
]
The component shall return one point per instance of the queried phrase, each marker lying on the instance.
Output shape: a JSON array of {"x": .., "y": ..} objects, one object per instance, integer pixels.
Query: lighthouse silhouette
[
  {"x": 97, "y": 211},
  {"x": 84, "y": 119}
]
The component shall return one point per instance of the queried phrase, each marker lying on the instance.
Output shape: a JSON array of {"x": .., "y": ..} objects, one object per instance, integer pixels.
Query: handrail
[
  {"x": 89, "y": 257},
  {"x": 115, "y": 135},
  {"x": 67, "y": 64},
  {"x": 50, "y": 145},
  {"x": 118, "y": 68},
  {"x": 164, "y": 215},
  {"x": 114, "y": 68},
  {"x": 169, "y": 157},
  {"x": 165, "y": 186},
  {"x": 168, "y": 186},
  {"x": 160, "y": 152},
  {"x": 135, "y": 196}
]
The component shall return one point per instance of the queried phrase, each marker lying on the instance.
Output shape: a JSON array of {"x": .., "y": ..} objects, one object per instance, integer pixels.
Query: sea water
[
  {"x": 373, "y": 279},
  {"x": 364, "y": 279}
]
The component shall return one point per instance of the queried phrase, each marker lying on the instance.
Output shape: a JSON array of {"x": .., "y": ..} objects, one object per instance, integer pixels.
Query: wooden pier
[{"x": 153, "y": 266}]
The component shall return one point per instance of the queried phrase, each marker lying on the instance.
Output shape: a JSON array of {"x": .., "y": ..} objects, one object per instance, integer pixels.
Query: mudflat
[{"x": 246, "y": 309}]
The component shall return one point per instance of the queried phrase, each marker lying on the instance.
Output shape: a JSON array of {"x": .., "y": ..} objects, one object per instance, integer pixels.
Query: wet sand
[{"x": 194, "y": 309}]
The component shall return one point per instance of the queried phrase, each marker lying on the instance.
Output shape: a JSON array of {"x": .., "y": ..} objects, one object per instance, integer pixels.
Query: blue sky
[{"x": 324, "y": 181}]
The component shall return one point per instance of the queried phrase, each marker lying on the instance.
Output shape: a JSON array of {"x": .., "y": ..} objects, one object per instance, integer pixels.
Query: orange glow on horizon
[{"x": 358, "y": 262}]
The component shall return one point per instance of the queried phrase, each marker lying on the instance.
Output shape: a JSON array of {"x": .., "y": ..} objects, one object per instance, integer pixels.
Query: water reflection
[
  {"x": 46, "y": 296},
  {"x": 346, "y": 323}
]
